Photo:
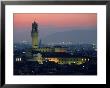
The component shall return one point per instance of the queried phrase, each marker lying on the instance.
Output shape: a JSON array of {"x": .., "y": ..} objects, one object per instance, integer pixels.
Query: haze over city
[
  {"x": 76, "y": 27},
  {"x": 55, "y": 44}
]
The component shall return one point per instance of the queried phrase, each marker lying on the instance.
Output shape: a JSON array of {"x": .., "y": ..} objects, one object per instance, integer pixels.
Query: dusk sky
[{"x": 49, "y": 24}]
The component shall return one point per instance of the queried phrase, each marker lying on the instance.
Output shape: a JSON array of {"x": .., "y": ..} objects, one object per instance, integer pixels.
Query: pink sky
[{"x": 58, "y": 20}]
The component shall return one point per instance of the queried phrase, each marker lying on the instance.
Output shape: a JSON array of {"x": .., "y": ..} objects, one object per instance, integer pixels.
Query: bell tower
[{"x": 34, "y": 35}]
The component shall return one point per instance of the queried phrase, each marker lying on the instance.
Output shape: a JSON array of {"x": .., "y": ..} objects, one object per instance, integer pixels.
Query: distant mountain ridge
[{"x": 75, "y": 36}]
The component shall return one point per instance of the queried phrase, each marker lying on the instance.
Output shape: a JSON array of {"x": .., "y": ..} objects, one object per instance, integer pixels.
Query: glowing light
[
  {"x": 23, "y": 52},
  {"x": 16, "y": 59},
  {"x": 46, "y": 58},
  {"x": 19, "y": 59},
  {"x": 56, "y": 60}
]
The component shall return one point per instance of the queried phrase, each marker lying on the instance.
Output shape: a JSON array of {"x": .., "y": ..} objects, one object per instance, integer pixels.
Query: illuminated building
[
  {"x": 56, "y": 54},
  {"x": 70, "y": 61},
  {"x": 59, "y": 49},
  {"x": 34, "y": 35},
  {"x": 36, "y": 45},
  {"x": 39, "y": 58}
]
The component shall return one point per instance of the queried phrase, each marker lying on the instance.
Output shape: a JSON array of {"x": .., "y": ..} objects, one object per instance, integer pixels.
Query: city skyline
[
  {"x": 40, "y": 58},
  {"x": 49, "y": 24}
]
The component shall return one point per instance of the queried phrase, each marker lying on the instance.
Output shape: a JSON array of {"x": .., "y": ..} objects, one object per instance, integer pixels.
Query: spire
[{"x": 40, "y": 43}]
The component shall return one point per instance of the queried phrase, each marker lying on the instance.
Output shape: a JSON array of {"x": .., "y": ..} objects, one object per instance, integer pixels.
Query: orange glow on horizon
[{"x": 58, "y": 19}]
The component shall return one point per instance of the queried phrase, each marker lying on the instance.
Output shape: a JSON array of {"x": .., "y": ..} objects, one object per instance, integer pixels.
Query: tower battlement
[{"x": 34, "y": 27}]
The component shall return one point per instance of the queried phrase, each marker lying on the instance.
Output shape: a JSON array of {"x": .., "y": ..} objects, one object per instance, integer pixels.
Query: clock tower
[{"x": 34, "y": 35}]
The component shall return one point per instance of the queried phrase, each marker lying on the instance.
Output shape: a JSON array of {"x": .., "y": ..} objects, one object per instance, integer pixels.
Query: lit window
[
  {"x": 23, "y": 52},
  {"x": 19, "y": 59},
  {"x": 16, "y": 59}
]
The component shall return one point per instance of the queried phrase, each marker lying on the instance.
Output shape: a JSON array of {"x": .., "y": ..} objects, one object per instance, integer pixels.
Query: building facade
[
  {"x": 34, "y": 35},
  {"x": 36, "y": 45}
]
